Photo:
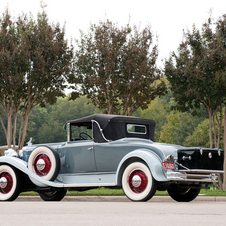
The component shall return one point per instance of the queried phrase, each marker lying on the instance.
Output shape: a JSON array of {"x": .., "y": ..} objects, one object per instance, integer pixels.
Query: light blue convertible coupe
[{"x": 109, "y": 151}]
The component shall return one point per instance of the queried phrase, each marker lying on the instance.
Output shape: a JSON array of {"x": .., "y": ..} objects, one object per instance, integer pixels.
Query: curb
[{"x": 119, "y": 199}]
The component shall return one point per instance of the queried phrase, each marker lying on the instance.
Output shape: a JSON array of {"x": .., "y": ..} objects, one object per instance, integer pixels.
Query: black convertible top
[{"x": 114, "y": 126}]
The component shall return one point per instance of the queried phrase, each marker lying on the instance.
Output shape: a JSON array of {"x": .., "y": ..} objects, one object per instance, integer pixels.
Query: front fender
[
  {"x": 22, "y": 166},
  {"x": 150, "y": 158}
]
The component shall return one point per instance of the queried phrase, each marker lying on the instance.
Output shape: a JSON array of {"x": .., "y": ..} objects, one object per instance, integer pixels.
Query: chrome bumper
[{"x": 194, "y": 176}]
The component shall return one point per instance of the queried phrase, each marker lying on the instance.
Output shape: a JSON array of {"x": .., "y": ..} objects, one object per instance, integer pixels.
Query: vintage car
[{"x": 109, "y": 151}]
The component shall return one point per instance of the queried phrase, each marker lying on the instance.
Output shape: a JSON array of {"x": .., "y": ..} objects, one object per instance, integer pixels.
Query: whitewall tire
[
  {"x": 9, "y": 183},
  {"x": 45, "y": 162},
  {"x": 138, "y": 183}
]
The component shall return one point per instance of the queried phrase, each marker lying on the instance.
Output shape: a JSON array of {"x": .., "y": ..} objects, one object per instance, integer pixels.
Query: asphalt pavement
[
  {"x": 112, "y": 211},
  {"x": 120, "y": 199}
]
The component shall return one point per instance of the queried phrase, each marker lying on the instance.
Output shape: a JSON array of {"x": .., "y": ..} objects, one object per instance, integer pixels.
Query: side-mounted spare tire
[{"x": 45, "y": 162}]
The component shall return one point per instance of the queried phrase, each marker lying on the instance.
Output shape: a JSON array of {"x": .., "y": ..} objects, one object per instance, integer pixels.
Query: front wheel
[
  {"x": 52, "y": 195},
  {"x": 181, "y": 194},
  {"x": 138, "y": 183},
  {"x": 9, "y": 183}
]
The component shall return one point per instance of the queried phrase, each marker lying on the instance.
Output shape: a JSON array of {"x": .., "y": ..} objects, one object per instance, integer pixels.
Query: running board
[{"x": 87, "y": 180}]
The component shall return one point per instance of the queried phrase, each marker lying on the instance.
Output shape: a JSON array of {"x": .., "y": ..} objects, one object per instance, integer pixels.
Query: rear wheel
[
  {"x": 9, "y": 183},
  {"x": 181, "y": 194},
  {"x": 138, "y": 183},
  {"x": 45, "y": 162},
  {"x": 52, "y": 195}
]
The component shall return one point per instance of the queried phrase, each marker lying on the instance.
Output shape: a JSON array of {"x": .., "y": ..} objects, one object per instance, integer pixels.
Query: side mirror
[{"x": 65, "y": 127}]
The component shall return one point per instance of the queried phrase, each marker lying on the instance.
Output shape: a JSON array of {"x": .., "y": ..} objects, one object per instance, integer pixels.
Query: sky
[{"x": 167, "y": 18}]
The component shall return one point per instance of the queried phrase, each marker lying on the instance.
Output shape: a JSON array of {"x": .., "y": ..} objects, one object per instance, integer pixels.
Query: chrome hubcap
[
  {"x": 3, "y": 182},
  {"x": 136, "y": 181},
  {"x": 40, "y": 164}
]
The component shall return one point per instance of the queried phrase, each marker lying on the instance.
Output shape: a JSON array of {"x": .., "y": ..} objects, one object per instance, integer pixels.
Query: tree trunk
[
  {"x": 9, "y": 129},
  {"x": 3, "y": 126},
  {"x": 219, "y": 128},
  {"x": 214, "y": 130},
  {"x": 14, "y": 131},
  {"x": 20, "y": 132},
  {"x": 23, "y": 135},
  {"x": 210, "y": 128},
  {"x": 224, "y": 177}
]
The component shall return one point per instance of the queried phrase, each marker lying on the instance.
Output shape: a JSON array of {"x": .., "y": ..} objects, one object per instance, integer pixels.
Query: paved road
[{"x": 112, "y": 211}]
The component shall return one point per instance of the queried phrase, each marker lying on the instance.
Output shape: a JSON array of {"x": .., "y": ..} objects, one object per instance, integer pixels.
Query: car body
[{"x": 109, "y": 151}]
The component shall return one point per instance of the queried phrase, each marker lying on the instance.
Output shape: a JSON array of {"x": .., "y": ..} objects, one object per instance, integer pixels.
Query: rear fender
[
  {"x": 22, "y": 166},
  {"x": 150, "y": 158}
]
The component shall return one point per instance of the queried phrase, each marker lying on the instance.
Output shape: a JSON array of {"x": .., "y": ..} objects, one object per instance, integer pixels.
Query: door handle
[{"x": 90, "y": 148}]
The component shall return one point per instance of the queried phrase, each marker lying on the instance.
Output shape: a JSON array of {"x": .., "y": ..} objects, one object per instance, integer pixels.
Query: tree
[
  {"x": 197, "y": 74},
  {"x": 157, "y": 110},
  {"x": 167, "y": 134},
  {"x": 34, "y": 57},
  {"x": 46, "y": 124},
  {"x": 179, "y": 127},
  {"x": 200, "y": 136},
  {"x": 13, "y": 63},
  {"x": 195, "y": 77},
  {"x": 115, "y": 68}
]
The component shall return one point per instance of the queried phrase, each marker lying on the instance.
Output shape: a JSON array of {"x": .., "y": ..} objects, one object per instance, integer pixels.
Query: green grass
[
  {"x": 212, "y": 192},
  {"x": 118, "y": 192}
]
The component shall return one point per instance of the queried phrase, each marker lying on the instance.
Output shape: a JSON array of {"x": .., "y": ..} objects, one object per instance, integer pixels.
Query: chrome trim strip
[
  {"x": 89, "y": 185},
  {"x": 82, "y": 174},
  {"x": 207, "y": 180},
  {"x": 181, "y": 165},
  {"x": 101, "y": 130},
  {"x": 68, "y": 132},
  {"x": 201, "y": 171}
]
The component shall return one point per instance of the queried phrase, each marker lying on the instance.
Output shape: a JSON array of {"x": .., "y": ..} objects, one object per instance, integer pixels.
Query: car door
[
  {"x": 109, "y": 155},
  {"x": 77, "y": 157}
]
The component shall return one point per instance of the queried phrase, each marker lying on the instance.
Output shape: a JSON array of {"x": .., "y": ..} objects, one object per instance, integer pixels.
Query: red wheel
[
  {"x": 138, "y": 183},
  {"x": 6, "y": 182},
  {"x": 42, "y": 164},
  {"x": 45, "y": 162},
  {"x": 9, "y": 183}
]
